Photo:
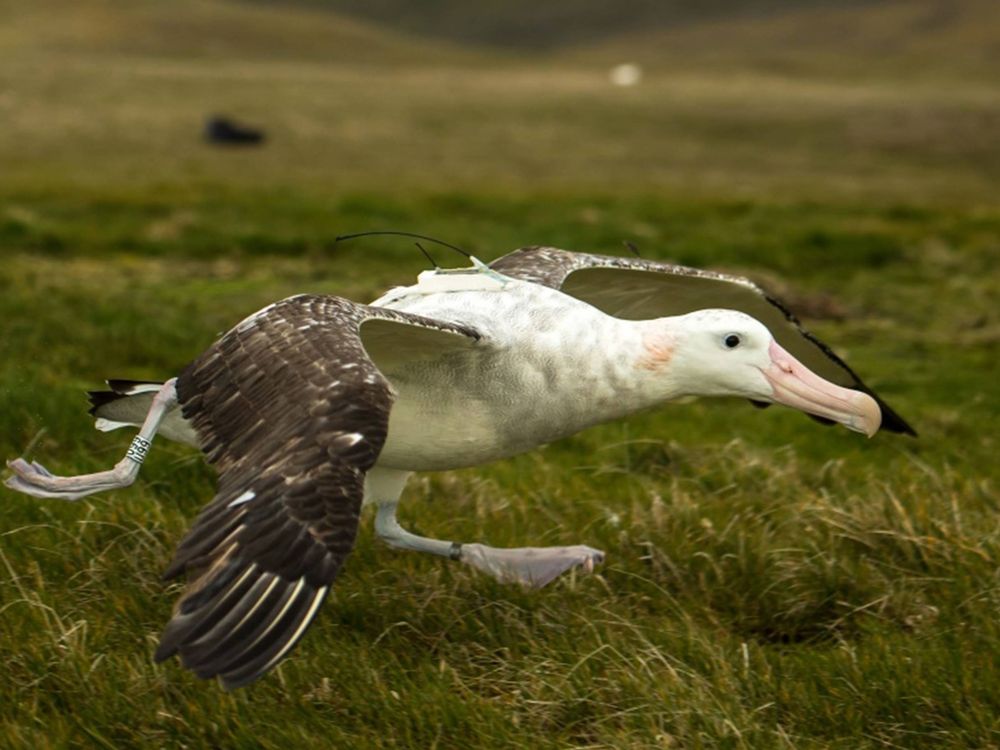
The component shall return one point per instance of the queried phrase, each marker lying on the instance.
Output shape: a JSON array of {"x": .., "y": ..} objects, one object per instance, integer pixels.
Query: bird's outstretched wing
[
  {"x": 292, "y": 411},
  {"x": 638, "y": 289}
]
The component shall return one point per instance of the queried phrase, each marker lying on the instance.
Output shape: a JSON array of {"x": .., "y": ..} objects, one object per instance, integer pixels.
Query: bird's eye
[{"x": 732, "y": 340}]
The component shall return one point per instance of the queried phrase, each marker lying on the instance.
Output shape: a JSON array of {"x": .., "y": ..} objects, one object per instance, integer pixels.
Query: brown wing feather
[
  {"x": 636, "y": 288},
  {"x": 292, "y": 412}
]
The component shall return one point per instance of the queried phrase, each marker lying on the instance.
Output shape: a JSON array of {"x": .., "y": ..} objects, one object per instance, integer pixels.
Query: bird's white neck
[
  {"x": 637, "y": 361},
  {"x": 600, "y": 371}
]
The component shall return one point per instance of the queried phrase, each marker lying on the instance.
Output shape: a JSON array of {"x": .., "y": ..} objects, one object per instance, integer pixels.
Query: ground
[{"x": 770, "y": 582}]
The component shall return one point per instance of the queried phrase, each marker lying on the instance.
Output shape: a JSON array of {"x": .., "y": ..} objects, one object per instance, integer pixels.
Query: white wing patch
[
  {"x": 142, "y": 388},
  {"x": 350, "y": 438},
  {"x": 107, "y": 425},
  {"x": 244, "y": 498}
]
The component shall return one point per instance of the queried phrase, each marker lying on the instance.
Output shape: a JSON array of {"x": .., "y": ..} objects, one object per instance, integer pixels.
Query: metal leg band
[
  {"x": 138, "y": 450},
  {"x": 455, "y": 553}
]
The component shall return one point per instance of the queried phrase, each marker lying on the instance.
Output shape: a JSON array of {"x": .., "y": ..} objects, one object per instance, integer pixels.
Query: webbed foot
[
  {"x": 33, "y": 479},
  {"x": 530, "y": 566}
]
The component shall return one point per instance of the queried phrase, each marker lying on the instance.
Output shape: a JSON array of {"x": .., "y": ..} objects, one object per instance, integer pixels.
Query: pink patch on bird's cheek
[{"x": 657, "y": 351}]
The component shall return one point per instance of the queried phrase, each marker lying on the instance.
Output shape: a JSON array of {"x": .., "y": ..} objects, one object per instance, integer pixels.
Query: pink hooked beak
[{"x": 797, "y": 386}]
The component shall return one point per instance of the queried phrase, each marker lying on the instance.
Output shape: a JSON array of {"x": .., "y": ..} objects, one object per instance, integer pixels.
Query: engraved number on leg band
[{"x": 138, "y": 450}]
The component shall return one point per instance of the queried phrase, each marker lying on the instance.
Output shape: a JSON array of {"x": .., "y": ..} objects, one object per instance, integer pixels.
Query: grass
[{"x": 770, "y": 582}]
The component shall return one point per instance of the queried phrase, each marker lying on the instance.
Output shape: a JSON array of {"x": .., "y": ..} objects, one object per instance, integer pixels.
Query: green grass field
[{"x": 769, "y": 583}]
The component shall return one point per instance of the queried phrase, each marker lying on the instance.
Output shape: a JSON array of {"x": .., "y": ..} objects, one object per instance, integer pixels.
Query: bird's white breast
[{"x": 548, "y": 366}]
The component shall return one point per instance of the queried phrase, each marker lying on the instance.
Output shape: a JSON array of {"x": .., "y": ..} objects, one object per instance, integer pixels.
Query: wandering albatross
[{"x": 316, "y": 405}]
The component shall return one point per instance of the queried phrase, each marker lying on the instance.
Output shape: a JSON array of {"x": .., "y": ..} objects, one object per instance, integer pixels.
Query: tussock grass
[{"x": 770, "y": 583}]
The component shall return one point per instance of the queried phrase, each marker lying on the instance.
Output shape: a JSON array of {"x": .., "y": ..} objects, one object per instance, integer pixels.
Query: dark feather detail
[
  {"x": 119, "y": 389},
  {"x": 650, "y": 289},
  {"x": 222, "y": 612},
  {"x": 292, "y": 412},
  {"x": 101, "y": 398}
]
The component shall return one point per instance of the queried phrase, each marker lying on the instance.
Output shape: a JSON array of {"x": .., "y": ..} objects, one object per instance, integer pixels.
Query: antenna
[
  {"x": 631, "y": 246},
  {"x": 343, "y": 237},
  {"x": 428, "y": 256}
]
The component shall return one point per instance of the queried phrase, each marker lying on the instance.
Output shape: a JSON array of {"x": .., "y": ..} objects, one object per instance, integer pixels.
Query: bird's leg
[
  {"x": 531, "y": 566},
  {"x": 35, "y": 479}
]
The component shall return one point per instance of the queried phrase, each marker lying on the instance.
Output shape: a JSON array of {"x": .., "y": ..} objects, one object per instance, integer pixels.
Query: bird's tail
[{"x": 127, "y": 404}]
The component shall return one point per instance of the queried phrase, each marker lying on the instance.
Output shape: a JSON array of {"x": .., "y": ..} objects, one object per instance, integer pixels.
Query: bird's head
[{"x": 729, "y": 353}]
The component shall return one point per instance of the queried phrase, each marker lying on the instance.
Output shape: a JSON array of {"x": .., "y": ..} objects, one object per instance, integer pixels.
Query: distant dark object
[{"x": 226, "y": 132}]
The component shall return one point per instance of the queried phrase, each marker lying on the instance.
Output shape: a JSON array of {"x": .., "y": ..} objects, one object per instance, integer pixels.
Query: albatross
[{"x": 315, "y": 406}]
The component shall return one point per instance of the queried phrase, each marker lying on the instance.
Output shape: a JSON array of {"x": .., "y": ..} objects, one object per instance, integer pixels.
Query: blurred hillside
[
  {"x": 224, "y": 29},
  {"x": 792, "y": 35},
  {"x": 899, "y": 38},
  {"x": 878, "y": 99},
  {"x": 798, "y": 37},
  {"x": 531, "y": 25}
]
